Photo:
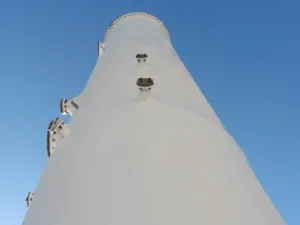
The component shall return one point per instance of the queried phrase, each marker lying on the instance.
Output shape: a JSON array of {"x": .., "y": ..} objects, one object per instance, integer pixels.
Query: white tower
[{"x": 143, "y": 146}]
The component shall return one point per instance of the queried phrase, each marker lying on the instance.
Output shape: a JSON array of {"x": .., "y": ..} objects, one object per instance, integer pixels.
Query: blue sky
[{"x": 245, "y": 56}]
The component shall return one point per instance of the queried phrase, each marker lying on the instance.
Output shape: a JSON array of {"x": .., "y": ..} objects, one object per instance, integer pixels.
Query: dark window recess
[
  {"x": 141, "y": 57},
  {"x": 62, "y": 102},
  {"x": 144, "y": 82},
  {"x": 50, "y": 125},
  {"x": 74, "y": 105}
]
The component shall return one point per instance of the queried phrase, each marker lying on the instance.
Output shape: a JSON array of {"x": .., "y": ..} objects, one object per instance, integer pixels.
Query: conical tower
[{"x": 143, "y": 146}]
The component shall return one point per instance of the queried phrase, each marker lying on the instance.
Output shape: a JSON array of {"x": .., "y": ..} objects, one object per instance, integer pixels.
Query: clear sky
[{"x": 245, "y": 56}]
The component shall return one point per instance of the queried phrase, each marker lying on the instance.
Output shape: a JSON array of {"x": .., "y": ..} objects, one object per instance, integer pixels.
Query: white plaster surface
[{"x": 166, "y": 160}]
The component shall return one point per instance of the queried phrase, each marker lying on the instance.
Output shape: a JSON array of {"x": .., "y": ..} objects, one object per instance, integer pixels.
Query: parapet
[{"x": 137, "y": 15}]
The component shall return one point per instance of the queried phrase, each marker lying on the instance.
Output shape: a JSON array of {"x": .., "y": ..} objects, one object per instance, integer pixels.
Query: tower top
[{"x": 137, "y": 15}]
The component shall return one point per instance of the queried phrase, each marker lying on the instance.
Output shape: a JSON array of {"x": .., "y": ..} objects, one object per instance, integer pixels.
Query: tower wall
[{"x": 154, "y": 157}]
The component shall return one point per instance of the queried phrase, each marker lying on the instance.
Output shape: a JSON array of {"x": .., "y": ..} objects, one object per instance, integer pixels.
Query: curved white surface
[{"x": 163, "y": 161}]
